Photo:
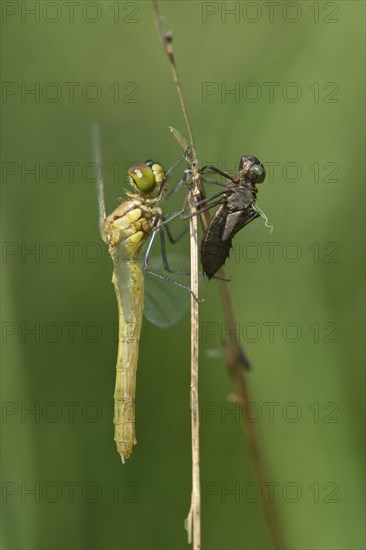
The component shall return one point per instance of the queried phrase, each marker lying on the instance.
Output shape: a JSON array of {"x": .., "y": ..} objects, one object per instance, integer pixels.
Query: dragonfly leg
[
  {"x": 176, "y": 188},
  {"x": 172, "y": 239},
  {"x": 178, "y": 185},
  {"x": 214, "y": 182},
  {"x": 148, "y": 249},
  {"x": 173, "y": 166},
  {"x": 165, "y": 259},
  {"x": 167, "y": 174},
  {"x": 158, "y": 275},
  {"x": 206, "y": 200},
  {"x": 187, "y": 176},
  {"x": 217, "y": 170},
  {"x": 169, "y": 219},
  {"x": 163, "y": 248},
  {"x": 218, "y": 278},
  {"x": 181, "y": 285},
  {"x": 199, "y": 211}
]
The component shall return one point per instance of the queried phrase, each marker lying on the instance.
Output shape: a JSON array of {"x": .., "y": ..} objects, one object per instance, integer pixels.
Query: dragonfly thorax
[{"x": 129, "y": 225}]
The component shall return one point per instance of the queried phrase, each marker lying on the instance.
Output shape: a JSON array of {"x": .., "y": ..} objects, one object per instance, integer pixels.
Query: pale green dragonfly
[{"x": 126, "y": 231}]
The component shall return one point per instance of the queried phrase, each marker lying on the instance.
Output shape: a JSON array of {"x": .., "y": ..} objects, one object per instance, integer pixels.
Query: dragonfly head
[
  {"x": 146, "y": 178},
  {"x": 252, "y": 169}
]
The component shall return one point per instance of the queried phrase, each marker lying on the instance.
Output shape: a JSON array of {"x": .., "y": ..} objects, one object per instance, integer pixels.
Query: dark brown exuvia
[{"x": 236, "y": 209}]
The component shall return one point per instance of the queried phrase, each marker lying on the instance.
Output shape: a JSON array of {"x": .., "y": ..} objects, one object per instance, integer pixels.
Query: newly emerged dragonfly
[
  {"x": 126, "y": 231},
  {"x": 237, "y": 208}
]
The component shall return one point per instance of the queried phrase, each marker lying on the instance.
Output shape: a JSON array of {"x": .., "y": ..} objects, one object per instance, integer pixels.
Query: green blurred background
[{"x": 310, "y": 291}]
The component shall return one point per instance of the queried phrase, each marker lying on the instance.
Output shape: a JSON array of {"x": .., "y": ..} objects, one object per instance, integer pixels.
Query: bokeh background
[{"x": 298, "y": 291}]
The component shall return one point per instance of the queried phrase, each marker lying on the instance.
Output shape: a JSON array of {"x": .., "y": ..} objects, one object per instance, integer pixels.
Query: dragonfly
[
  {"x": 237, "y": 208},
  {"x": 126, "y": 231}
]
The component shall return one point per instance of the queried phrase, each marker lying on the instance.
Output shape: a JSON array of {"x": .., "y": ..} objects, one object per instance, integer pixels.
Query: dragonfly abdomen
[
  {"x": 129, "y": 286},
  {"x": 215, "y": 251}
]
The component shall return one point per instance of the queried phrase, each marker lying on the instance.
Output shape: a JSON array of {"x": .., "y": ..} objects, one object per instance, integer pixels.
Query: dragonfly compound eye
[
  {"x": 257, "y": 173},
  {"x": 159, "y": 173},
  {"x": 142, "y": 177}
]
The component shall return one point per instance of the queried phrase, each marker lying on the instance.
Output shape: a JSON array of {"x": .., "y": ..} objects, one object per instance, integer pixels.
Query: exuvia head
[
  {"x": 146, "y": 178},
  {"x": 252, "y": 169}
]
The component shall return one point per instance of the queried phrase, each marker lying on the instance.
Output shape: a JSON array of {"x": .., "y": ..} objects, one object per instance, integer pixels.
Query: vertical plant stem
[{"x": 193, "y": 520}]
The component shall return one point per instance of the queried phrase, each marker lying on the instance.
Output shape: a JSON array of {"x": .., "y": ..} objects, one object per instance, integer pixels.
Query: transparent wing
[
  {"x": 97, "y": 157},
  {"x": 165, "y": 302}
]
